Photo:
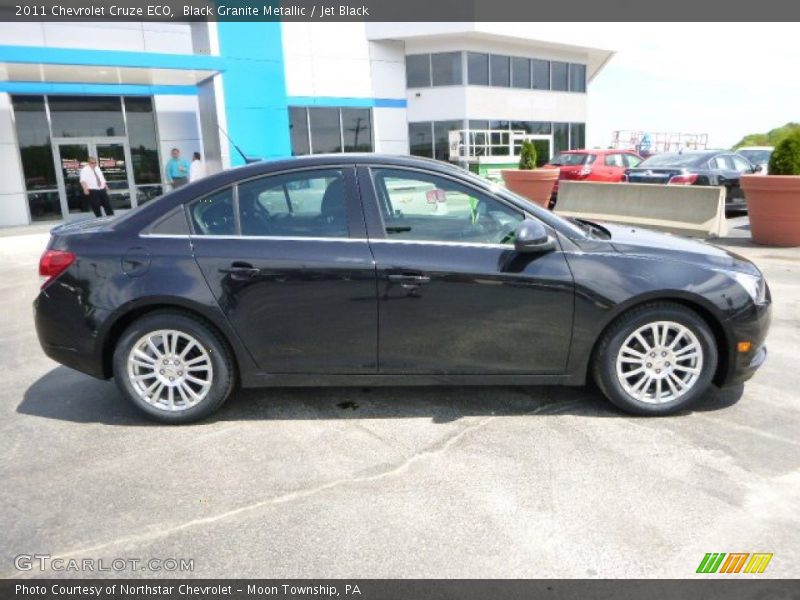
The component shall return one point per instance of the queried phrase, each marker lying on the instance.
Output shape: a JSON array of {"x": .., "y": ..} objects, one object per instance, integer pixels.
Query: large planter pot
[
  {"x": 536, "y": 185},
  {"x": 773, "y": 204}
]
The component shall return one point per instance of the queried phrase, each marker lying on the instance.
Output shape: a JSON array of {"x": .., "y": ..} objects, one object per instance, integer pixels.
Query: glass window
[
  {"x": 446, "y": 68},
  {"x": 500, "y": 138},
  {"x": 325, "y": 130},
  {"x": 577, "y": 136},
  {"x": 418, "y": 70},
  {"x": 421, "y": 206},
  {"x": 577, "y": 78},
  {"x": 143, "y": 140},
  {"x": 500, "y": 71},
  {"x": 302, "y": 204},
  {"x": 722, "y": 162},
  {"x": 441, "y": 137},
  {"x": 741, "y": 164},
  {"x": 541, "y": 127},
  {"x": 298, "y": 131},
  {"x": 540, "y": 70},
  {"x": 85, "y": 116},
  {"x": 520, "y": 72},
  {"x": 572, "y": 159},
  {"x": 560, "y": 137},
  {"x": 44, "y": 206},
  {"x": 615, "y": 160},
  {"x": 213, "y": 215},
  {"x": 357, "y": 129},
  {"x": 33, "y": 135},
  {"x": 174, "y": 223},
  {"x": 477, "y": 68},
  {"x": 631, "y": 160},
  {"x": 420, "y": 139},
  {"x": 560, "y": 76}
]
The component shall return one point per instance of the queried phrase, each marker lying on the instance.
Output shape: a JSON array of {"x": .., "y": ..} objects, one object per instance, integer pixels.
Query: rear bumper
[{"x": 67, "y": 333}]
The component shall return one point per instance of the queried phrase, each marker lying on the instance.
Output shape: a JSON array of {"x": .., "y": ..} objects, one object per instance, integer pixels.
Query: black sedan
[
  {"x": 707, "y": 167},
  {"x": 372, "y": 270}
]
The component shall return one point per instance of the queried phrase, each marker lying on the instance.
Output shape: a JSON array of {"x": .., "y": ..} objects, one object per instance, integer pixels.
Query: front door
[
  {"x": 287, "y": 258},
  {"x": 453, "y": 295},
  {"x": 113, "y": 158}
]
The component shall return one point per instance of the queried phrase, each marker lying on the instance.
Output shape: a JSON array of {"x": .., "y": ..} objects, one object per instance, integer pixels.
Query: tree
[{"x": 772, "y": 138}]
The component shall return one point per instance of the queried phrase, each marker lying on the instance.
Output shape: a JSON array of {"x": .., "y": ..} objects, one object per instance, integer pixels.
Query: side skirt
[{"x": 347, "y": 380}]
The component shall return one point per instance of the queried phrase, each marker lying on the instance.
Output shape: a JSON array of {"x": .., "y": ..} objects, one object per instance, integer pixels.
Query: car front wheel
[
  {"x": 173, "y": 367},
  {"x": 656, "y": 359}
]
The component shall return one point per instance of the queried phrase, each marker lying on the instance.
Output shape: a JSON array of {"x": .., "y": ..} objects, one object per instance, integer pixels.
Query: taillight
[
  {"x": 683, "y": 179},
  {"x": 53, "y": 263}
]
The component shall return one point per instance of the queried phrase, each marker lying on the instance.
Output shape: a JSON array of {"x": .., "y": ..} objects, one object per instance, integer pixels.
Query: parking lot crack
[{"x": 432, "y": 451}]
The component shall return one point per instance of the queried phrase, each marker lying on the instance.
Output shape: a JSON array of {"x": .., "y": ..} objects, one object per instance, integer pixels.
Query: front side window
[
  {"x": 722, "y": 162},
  {"x": 425, "y": 207},
  {"x": 631, "y": 160},
  {"x": 213, "y": 215},
  {"x": 741, "y": 164},
  {"x": 302, "y": 204}
]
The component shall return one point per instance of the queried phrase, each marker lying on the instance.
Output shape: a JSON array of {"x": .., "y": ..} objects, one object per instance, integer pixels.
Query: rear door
[
  {"x": 453, "y": 295},
  {"x": 287, "y": 258}
]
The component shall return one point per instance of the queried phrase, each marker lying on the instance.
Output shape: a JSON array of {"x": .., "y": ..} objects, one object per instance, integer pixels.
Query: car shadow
[{"x": 66, "y": 395}]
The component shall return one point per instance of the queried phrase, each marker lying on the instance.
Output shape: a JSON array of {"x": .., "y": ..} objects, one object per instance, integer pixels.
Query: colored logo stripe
[{"x": 713, "y": 562}]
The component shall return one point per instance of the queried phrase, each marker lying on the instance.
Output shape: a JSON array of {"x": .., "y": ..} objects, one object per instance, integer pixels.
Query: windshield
[
  {"x": 757, "y": 157},
  {"x": 572, "y": 159},
  {"x": 674, "y": 159}
]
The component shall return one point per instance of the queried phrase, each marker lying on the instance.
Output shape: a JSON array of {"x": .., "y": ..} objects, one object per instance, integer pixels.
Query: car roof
[{"x": 599, "y": 151}]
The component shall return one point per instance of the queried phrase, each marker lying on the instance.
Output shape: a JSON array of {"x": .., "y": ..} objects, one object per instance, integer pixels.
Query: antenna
[{"x": 239, "y": 150}]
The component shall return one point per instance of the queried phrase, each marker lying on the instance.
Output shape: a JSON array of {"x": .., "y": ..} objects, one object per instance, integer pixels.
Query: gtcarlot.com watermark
[{"x": 48, "y": 562}]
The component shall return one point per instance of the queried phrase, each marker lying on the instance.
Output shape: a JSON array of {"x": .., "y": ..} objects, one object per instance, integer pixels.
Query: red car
[{"x": 593, "y": 165}]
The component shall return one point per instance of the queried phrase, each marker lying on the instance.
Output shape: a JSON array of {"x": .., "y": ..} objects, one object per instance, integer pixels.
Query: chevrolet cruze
[{"x": 384, "y": 270}]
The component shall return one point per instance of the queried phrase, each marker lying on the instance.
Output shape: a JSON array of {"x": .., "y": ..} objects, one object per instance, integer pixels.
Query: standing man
[
  {"x": 94, "y": 185},
  {"x": 177, "y": 170},
  {"x": 197, "y": 170}
]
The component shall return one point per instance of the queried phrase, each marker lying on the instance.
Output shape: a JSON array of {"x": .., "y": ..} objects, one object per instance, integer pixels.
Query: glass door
[
  {"x": 113, "y": 157},
  {"x": 113, "y": 161},
  {"x": 71, "y": 158}
]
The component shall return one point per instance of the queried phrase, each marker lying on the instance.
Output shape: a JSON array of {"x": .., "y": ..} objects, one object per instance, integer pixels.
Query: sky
[{"x": 723, "y": 79}]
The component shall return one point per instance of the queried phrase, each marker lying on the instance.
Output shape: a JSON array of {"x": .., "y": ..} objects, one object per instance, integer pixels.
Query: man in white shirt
[
  {"x": 197, "y": 170},
  {"x": 94, "y": 185}
]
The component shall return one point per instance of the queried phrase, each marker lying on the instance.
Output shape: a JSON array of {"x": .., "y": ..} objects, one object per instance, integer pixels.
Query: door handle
[
  {"x": 241, "y": 271},
  {"x": 408, "y": 280}
]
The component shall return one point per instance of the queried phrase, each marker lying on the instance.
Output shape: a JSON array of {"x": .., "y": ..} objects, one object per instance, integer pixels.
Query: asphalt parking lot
[{"x": 397, "y": 482}]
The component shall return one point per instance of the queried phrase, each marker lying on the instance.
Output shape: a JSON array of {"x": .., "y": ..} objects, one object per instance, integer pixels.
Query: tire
[
  {"x": 688, "y": 360},
  {"x": 197, "y": 361}
]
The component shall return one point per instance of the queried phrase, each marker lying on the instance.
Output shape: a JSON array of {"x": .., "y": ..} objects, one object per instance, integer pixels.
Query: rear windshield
[
  {"x": 674, "y": 159},
  {"x": 572, "y": 159}
]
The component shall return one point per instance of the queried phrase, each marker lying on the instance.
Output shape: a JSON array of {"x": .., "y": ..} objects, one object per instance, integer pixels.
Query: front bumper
[{"x": 751, "y": 325}]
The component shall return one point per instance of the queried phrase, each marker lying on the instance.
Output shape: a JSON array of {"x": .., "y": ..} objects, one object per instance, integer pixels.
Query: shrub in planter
[
  {"x": 535, "y": 184},
  {"x": 773, "y": 201}
]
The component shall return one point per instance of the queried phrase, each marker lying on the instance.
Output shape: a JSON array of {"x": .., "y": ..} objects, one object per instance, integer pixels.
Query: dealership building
[{"x": 130, "y": 92}]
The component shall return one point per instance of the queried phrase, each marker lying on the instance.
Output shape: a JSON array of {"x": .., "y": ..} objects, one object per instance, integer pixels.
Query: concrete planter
[
  {"x": 773, "y": 203},
  {"x": 536, "y": 186}
]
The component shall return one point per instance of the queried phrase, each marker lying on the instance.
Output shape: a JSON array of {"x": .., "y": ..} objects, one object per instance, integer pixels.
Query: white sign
[{"x": 454, "y": 137}]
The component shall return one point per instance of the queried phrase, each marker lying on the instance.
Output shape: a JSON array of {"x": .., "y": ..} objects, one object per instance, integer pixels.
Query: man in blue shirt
[{"x": 177, "y": 170}]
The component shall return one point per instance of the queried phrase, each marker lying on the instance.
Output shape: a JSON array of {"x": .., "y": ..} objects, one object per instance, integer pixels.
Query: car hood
[{"x": 644, "y": 242}]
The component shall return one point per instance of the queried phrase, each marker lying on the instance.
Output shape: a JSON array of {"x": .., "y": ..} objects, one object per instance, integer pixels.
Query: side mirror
[
  {"x": 531, "y": 237},
  {"x": 758, "y": 169}
]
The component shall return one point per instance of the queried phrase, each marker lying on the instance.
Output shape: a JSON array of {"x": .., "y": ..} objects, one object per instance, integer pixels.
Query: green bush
[
  {"x": 527, "y": 157},
  {"x": 785, "y": 159}
]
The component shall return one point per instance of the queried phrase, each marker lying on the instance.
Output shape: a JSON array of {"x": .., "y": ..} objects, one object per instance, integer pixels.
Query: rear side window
[
  {"x": 213, "y": 215},
  {"x": 303, "y": 204},
  {"x": 173, "y": 223}
]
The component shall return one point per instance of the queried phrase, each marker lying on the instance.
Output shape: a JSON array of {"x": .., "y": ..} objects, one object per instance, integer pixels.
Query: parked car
[
  {"x": 363, "y": 269},
  {"x": 701, "y": 167},
  {"x": 593, "y": 165},
  {"x": 758, "y": 155}
]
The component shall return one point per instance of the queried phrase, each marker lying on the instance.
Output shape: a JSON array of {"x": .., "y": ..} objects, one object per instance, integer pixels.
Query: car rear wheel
[
  {"x": 656, "y": 359},
  {"x": 173, "y": 368}
]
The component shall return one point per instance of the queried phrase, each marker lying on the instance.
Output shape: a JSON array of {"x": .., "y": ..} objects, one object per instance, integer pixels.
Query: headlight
[{"x": 755, "y": 285}]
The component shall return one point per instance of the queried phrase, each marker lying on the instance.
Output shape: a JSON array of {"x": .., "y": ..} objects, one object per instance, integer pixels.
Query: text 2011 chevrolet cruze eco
[{"x": 370, "y": 270}]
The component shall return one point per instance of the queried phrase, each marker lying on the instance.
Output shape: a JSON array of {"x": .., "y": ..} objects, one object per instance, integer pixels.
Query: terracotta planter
[
  {"x": 536, "y": 185},
  {"x": 773, "y": 203}
]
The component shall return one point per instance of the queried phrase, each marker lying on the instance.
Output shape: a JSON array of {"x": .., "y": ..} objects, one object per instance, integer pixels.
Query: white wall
[
  {"x": 172, "y": 38},
  {"x": 13, "y": 202}
]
